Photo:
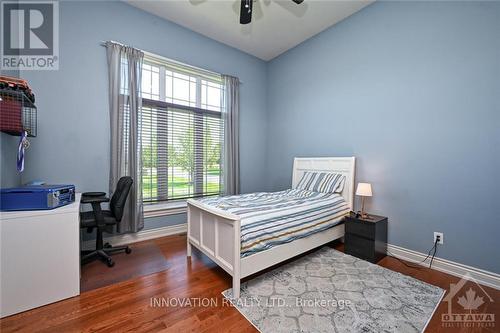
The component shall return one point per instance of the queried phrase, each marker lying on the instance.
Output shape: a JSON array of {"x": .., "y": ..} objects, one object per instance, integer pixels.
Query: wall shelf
[{"x": 17, "y": 113}]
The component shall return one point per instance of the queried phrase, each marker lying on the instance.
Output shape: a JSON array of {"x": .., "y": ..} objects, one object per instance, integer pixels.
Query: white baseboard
[
  {"x": 483, "y": 277},
  {"x": 140, "y": 236}
]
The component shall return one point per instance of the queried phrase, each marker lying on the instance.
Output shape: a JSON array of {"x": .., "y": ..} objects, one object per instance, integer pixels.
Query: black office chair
[{"x": 104, "y": 220}]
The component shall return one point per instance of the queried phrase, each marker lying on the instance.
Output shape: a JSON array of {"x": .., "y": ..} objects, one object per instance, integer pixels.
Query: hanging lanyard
[{"x": 23, "y": 144}]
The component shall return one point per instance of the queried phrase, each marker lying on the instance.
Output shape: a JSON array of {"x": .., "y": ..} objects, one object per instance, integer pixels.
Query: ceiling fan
[{"x": 246, "y": 10}]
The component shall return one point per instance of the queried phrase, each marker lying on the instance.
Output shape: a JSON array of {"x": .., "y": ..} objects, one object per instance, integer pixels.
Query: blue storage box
[{"x": 36, "y": 197}]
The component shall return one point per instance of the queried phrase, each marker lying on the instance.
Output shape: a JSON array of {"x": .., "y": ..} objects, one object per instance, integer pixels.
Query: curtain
[
  {"x": 124, "y": 70},
  {"x": 231, "y": 146}
]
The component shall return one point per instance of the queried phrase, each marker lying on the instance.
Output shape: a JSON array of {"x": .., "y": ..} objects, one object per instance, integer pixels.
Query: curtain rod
[{"x": 103, "y": 43}]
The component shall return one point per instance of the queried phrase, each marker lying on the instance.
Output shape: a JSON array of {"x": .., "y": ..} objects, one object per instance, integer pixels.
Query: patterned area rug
[{"x": 329, "y": 291}]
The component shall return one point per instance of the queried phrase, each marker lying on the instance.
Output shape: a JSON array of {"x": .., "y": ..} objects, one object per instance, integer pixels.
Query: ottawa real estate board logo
[
  {"x": 30, "y": 35},
  {"x": 469, "y": 306}
]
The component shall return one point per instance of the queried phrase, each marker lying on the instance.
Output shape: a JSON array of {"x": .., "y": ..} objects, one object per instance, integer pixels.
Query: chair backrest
[{"x": 117, "y": 203}]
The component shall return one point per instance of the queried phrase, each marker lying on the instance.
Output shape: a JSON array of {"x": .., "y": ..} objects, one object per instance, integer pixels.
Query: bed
[{"x": 247, "y": 233}]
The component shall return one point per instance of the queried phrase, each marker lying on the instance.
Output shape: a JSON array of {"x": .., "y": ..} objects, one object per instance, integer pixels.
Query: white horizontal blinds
[
  {"x": 212, "y": 146},
  {"x": 150, "y": 161},
  {"x": 181, "y": 132}
]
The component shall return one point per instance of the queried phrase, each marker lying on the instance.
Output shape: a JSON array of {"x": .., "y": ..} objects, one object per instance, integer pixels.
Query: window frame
[{"x": 155, "y": 207}]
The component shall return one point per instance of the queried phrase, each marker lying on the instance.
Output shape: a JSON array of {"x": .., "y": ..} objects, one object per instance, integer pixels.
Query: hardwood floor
[
  {"x": 128, "y": 307},
  {"x": 146, "y": 258}
]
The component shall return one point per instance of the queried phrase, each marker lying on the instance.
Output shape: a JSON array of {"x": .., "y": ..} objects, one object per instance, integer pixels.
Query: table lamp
[{"x": 364, "y": 190}]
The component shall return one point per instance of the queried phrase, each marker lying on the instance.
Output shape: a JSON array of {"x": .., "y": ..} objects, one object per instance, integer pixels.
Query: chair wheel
[
  {"x": 128, "y": 250},
  {"x": 107, "y": 246},
  {"x": 110, "y": 262}
]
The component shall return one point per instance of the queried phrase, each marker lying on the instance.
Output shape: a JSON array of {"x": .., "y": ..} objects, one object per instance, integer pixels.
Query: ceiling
[{"x": 277, "y": 25}]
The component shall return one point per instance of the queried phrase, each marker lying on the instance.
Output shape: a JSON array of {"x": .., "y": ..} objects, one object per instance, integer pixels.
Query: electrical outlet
[{"x": 439, "y": 236}]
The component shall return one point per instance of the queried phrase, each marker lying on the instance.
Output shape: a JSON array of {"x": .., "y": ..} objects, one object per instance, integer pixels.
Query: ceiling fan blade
[
  {"x": 246, "y": 11},
  {"x": 298, "y": 2}
]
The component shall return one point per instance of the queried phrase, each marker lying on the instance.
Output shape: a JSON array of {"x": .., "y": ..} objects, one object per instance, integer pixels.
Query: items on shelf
[
  {"x": 18, "y": 112},
  {"x": 15, "y": 84}
]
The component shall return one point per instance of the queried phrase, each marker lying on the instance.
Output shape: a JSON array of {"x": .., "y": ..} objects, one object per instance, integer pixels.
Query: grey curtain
[
  {"x": 124, "y": 70},
  {"x": 231, "y": 146}
]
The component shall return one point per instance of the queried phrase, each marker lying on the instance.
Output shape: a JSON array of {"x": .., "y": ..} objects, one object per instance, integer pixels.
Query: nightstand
[{"x": 366, "y": 238}]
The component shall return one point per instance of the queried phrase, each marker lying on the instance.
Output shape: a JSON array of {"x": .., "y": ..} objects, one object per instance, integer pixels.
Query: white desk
[{"x": 39, "y": 257}]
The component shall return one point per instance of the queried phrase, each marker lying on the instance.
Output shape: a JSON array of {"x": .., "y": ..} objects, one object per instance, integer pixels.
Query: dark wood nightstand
[{"x": 366, "y": 238}]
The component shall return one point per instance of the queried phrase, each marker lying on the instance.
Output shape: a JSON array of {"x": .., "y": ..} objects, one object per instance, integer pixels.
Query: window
[{"x": 181, "y": 131}]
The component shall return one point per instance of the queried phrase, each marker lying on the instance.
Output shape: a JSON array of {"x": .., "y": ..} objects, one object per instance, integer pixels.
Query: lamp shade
[{"x": 364, "y": 190}]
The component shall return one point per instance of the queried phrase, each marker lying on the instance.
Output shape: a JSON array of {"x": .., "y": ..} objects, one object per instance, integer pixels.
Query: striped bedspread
[{"x": 270, "y": 219}]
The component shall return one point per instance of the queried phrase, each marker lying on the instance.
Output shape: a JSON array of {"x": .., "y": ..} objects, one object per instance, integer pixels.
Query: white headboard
[{"x": 343, "y": 165}]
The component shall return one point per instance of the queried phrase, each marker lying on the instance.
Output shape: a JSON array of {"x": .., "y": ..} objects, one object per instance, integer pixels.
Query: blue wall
[
  {"x": 413, "y": 91},
  {"x": 9, "y": 177},
  {"x": 73, "y": 135}
]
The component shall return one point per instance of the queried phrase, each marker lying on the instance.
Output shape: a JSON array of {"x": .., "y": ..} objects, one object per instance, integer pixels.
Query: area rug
[{"x": 329, "y": 291}]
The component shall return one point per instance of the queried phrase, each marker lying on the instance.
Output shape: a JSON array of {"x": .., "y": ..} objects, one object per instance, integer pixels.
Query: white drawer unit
[{"x": 39, "y": 257}]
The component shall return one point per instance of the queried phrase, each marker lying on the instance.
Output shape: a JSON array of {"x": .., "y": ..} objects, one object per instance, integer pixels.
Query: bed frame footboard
[{"x": 217, "y": 235}]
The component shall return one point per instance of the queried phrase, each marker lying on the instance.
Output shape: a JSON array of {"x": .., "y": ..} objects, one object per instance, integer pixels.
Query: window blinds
[{"x": 181, "y": 129}]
